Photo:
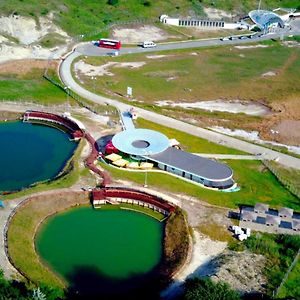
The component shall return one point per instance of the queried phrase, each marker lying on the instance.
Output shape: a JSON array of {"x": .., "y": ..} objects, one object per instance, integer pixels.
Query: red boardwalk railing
[
  {"x": 101, "y": 194},
  {"x": 77, "y": 133},
  {"x": 89, "y": 162}
]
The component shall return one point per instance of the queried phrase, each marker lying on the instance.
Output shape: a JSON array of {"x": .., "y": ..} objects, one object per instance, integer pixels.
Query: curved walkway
[{"x": 218, "y": 138}]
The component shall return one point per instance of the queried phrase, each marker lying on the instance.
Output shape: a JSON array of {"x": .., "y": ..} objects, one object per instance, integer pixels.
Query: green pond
[
  {"x": 31, "y": 153},
  {"x": 104, "y": 251}
]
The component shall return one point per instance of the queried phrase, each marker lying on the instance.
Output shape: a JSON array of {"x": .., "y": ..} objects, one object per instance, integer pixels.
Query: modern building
[
  {"x": 265, "y": 19},
  {"x": 155, "y": 148},
  {"x": 201, "y": 23}
]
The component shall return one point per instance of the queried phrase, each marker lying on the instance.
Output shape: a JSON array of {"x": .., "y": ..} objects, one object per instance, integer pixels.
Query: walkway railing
[
  {"x": 89, "y": 162},
  {"x": 129, "y": 193}
]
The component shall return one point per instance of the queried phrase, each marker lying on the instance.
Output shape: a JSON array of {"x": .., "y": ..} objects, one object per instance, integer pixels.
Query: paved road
[
  {"x": 218, "y": 138},
  {"x": 90, "y": 50}
]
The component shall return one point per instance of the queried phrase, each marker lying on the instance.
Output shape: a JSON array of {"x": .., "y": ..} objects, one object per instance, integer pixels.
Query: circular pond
[
  {"x": 105, "y": 251},
  {"x": 31, "y": 153}
]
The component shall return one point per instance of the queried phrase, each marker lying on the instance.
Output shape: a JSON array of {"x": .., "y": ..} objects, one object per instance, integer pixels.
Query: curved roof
[
  {"x": 264, "y": 17},
  {"x": 196, "y": 165},
  {"x": 140, "y": 142}
]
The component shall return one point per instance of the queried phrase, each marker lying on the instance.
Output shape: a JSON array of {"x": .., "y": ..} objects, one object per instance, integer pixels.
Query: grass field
[
  {"x": 81, "y": 17},
  {"x": 256, "y": 182},
  {"x": 291, "y": 288},
  {"x": 205, "y": 74},
  {"x": 31, "y": 87},
  {"x": 226, "y": 73},
  {"x": 187, "y": 142},
  {"x": 22, "y": 230}
]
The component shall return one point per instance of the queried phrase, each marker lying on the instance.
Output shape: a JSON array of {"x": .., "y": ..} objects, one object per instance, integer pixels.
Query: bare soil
[
  {"x": 24, "y": 66},
  {"x": 140, "y": 33}
]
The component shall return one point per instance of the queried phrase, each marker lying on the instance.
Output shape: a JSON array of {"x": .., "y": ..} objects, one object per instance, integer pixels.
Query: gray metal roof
[
  {"x": 296, "y": 224},
  {"x": 193, "y": 164},
  {"x": 286, "y": 212},
  {"x": 272, "y": 220},
  {"x": 248, "y": 215},
  {"x": 261, "y": 207}
]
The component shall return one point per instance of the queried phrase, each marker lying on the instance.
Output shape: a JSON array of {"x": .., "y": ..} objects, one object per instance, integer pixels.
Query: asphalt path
[{"x": 218, "y": 138}]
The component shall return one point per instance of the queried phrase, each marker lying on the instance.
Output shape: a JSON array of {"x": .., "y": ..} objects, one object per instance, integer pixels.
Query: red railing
[
  {"x": 76, "y": 132},
  {"x": 44, "y": 116},
  {"x": 100, "y": 194},
  {"x": 89, "y": 162}
]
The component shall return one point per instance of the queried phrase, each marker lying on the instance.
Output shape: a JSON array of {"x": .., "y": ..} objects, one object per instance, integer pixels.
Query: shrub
[
  {"x": 113, "y": 2},
  {"x": 206, "y": 289}
]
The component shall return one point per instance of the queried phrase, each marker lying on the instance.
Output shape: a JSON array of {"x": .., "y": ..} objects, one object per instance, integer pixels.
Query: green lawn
[
  {"x": 31, "y": 87},
  {"x": 212, "y": 73},
  {"x": 256, "y": 182},
  {"x": 77, "y": 17},
  {"x": 225, "y": 73},
  {"x": 188, "y": 142},
  {"x": 291, "y": 288}
]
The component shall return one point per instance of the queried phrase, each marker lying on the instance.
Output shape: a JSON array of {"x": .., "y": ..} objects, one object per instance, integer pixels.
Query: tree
[
  {"x": 206, "y": 289},
  {"x": 112, "y": 2}
]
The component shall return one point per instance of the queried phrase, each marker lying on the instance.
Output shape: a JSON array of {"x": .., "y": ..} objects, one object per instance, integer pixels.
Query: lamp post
[
  {"x": 67, "y": 90},
  {"x": 146, "y": 173}
]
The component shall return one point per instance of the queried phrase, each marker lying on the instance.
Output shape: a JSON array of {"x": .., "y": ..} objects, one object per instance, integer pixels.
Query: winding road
[{"x": 88, "y": 49}]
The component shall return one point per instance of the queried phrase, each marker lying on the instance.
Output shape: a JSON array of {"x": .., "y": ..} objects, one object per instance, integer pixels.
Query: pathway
[{"x": 215, "y": 137}]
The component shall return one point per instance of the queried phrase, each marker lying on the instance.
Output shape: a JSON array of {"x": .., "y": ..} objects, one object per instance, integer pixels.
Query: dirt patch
[
  {"x": 19, "y": 37},
  {"x": 26, "y": 30},
  {"x": 216, "y": 14},
  {"x": 268, "y": 74},
  {"x": 288, "y": 131},
  {"x": 24, "y": 66},
  {"x": 90, "y": 70},
  {"x": 156, "y": 56},
  {"x": 233, "y": 106},
  {"x": 243, "y": 271},
  {"x": 251, "y": 46},
  {"x": 140, "y": 33}
]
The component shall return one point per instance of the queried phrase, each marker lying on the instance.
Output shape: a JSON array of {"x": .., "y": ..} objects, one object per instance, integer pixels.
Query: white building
[{"x": 202, "y": 23}]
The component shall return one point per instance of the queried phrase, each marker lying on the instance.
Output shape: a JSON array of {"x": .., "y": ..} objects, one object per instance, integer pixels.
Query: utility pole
[{"x": 259, "y": 4}]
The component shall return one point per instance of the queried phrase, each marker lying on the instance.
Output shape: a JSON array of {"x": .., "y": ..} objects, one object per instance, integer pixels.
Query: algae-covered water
[{"x": 101, "y": 251}]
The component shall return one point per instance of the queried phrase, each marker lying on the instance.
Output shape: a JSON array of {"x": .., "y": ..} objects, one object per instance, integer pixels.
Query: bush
[
  {"x": 113, "y": 2},
  {"x": 206, "y": 289}
]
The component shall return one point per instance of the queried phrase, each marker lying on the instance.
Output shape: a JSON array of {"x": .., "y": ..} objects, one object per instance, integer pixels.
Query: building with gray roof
[
  {"x": 262, "y": 218},
  {"x": 248, "y": 216},
  {"x": 286, "y": 212},
  {"x": 261, "y": 208},
  {"x": 296, "y": 225},
  {"x": 272, "y": 220},
  {"x": 150, "y": 145}
]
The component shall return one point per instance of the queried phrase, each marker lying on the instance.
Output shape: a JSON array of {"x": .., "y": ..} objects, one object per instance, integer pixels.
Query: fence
[
  {"x": 286, "y": 274},
  {"x": 285, "y": 181},
  {"x": 93, "y": 107}
]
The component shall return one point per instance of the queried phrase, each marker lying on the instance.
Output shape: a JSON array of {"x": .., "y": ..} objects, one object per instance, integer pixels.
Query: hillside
[{"x": 84, "y": 16}]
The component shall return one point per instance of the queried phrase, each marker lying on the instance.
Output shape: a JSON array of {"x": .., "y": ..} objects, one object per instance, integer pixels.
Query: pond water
[
  {"x": 31, "y": 153},
  {"x": 104, "y": 251}
]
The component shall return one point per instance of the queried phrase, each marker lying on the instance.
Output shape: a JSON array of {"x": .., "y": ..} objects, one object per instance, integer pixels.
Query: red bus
[{"x": 112, "y": 44}]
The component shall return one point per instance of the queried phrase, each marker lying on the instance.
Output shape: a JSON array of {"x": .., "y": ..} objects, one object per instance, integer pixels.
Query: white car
[{"x": 148, "y": 44}]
